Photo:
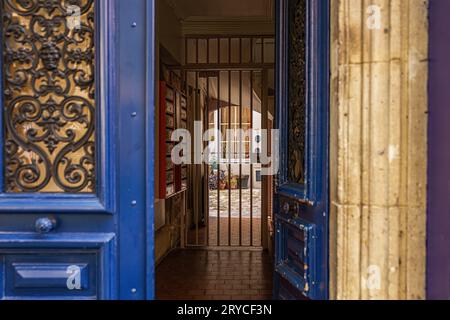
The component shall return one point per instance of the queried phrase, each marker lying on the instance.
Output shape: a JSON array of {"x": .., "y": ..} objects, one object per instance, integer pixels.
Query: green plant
[{"x": 234, "y": 181}]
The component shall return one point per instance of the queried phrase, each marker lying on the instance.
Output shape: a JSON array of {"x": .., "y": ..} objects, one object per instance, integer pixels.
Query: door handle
[{"x": 45, "y": 225}]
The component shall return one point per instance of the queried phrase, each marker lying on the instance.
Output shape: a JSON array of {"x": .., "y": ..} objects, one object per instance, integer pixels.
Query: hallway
[{"x": 215, "y": 275}]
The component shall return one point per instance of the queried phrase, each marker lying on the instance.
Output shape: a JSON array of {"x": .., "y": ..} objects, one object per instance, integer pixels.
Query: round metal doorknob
[{"x": 45, "y": 225}]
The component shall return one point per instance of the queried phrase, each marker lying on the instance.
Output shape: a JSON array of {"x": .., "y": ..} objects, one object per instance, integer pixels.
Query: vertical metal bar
[
  {"x": 240, "y": 158},
  {"x": 219, "y": 55},
  {"x": 218, "y": 171},
  {"x": 197, "y": 240},
  {"x": 229, "y": 50},
  {"x": 229, "y": 157},
  {"x": 196, "y": 50},
  {"x": 262, "y": 51},
  {"x": 265, "y": 200},
  {"x": 206, "y": 124},
  {"x": 240, "y": 50},
  {"x": 229, "y": 166},
  {"x": 207, "y": 50},
  {"x": 183, "y": 228},
  {"x": 251, "y": 164},
  {"x": 252, "y": 54},
  {"x": 186, "y": 50},
  {"x": 190, "y": 197},
  {"x": 219, "y": 142},
  {"x": 229, "y": 61}
]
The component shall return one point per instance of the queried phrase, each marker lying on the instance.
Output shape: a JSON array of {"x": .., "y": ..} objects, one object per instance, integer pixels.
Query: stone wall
[{"x": 378, "y": 148}]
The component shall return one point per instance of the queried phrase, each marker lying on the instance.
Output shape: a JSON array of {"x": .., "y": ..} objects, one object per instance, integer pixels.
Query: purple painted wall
[{"x": 438, "y": 255}]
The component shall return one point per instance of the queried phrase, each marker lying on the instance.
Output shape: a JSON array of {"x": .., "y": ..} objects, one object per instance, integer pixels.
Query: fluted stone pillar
[{"x": 378, "y": 148}]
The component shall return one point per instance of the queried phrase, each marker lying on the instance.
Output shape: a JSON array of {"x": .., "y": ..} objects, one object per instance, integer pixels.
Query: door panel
[
  {"x": 75, "y": 145},
  {"x": 56, "y": 130},
  {"x": 29, "y": 275},
  {"x": 40, "y": 267},
  {"x": 301, "y": 193}
]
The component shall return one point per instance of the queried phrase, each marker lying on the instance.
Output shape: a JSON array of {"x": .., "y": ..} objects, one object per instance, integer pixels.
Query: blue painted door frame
[
  {"x": 108, "y": 235},
  {"x": 301, "y": 210}
]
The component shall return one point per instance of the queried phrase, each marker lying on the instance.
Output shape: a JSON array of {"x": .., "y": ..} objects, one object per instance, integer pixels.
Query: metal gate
[{"x": 231, "y": 81}]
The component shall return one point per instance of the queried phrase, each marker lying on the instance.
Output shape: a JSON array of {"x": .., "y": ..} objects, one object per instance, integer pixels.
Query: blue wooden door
[
  {"x": 301, "y": 196},
  {"x": 76, "y": 185}
]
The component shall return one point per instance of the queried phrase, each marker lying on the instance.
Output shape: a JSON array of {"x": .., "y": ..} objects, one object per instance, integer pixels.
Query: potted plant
[
  {"x": 234, "y": 182},
  {"x": 244, "y": 183},
  {"x": 222, "y": 180},
  {"x": 212, "y": 181},
  {"x": 222, "y": 185}
]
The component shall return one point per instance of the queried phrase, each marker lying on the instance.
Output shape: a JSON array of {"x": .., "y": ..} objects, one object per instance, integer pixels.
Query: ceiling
[{"x": 223, "y": 9}]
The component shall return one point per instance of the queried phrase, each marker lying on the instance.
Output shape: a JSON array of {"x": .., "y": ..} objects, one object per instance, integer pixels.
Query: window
[{"x": 48, "y": 96}]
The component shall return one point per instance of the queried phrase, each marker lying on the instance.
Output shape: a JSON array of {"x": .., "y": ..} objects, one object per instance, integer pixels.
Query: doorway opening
[{"x": 216, "y": 71}]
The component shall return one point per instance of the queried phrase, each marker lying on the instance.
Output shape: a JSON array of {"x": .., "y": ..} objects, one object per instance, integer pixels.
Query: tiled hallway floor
[{"x": 215, "y": 275}]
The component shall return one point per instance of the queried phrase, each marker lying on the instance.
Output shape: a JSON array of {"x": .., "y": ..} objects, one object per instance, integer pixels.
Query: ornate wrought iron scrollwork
[
  {"x": 49, "y": 96},
  {"x": 297, "y": 91}
]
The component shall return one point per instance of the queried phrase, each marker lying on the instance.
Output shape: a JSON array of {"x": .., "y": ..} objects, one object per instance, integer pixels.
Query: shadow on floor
[{"x": 215, "y": 275}]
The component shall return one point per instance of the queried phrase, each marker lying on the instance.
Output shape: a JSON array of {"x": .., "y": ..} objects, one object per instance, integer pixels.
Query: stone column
[{"x": 378, "y": 148}]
